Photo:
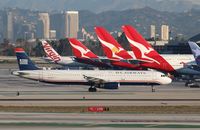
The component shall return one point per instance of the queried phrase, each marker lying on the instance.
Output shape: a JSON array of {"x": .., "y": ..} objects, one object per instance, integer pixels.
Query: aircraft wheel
[
  {"x": 92, "y": 89},
  {"x": 186, "y": 84}
]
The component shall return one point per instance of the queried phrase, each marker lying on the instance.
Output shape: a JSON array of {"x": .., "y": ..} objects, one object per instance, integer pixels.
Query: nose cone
[
  {"x": 167, "y": 80},
  {"x": 15, "y": 73}
]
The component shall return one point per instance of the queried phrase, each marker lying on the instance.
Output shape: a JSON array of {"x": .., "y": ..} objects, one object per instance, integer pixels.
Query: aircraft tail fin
[
  {"x": 144, "y": 51},
  {"x": 80, "y": 50},
  {"x": 112, "y": 49},
  {"x": 24, "y": 62},
  {"x": 196, "y": 51},
  {"x": 50, "y": 52}
]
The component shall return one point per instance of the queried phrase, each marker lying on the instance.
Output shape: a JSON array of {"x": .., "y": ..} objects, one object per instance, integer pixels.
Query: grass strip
[{"x": 112, "y": 109}]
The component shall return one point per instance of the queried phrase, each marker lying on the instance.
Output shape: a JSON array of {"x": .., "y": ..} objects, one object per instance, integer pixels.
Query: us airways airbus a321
[{"x": 104, "y": 79}]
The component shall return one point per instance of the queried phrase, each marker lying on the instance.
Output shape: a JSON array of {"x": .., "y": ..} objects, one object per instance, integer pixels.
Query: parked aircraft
[
  {"x": 105, "y": 79},
  {"x": 53, "y": 56},
  {"x": 84, "y": 55},
  {"x": 143, "y": 51},
  {"x": 196, "y": 51},
  {"x": 114, "y": 51}
]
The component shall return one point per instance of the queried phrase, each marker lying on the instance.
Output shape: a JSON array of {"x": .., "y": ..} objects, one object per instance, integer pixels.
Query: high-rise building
[
  {"x": 165, "y": 32},
  {"x": 10, "y": 26},
  {"x": 153, "y": 31},
  {"x": 52, "y": 34},
  {"x": 71, "y": 24},
  {"x": 44, "y": 17}
]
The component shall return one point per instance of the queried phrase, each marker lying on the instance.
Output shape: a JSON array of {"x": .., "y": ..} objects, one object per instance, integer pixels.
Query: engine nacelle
[{"x": 111, "y": 85}]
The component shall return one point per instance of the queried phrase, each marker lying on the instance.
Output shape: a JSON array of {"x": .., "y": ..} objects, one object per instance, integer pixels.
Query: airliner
[
  {"x": 113, "y": 50},
  {"x": 104, "y": 79},
  {"x": 195, "y": 51},
  {"x": 84, "y": 55},
  {"x": 143, "y": 51}
]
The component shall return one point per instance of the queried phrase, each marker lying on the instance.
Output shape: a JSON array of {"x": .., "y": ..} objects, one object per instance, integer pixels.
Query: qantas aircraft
[
  {"x": 84, "y": 55},
  {"x": 114, "y": 51},
  {"x": 143, "y": 51},
  {"x": 104, "y": 79}
]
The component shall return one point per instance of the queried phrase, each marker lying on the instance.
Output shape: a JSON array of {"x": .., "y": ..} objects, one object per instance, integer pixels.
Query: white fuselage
[
  {"x": 178, "y": 61},
  {"x": 77, "y": 76}
]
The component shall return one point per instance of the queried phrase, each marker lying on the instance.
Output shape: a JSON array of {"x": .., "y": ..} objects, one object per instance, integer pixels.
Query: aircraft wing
[
  {"x": 94, "y": 79},
  {"x": 137, "y": 61}
]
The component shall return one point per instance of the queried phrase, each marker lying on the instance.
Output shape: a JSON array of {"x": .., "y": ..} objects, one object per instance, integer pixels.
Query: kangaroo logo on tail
[
  {"x": 143, "y": 50},
  {"x": 81, "y": 50},
  {"x": 51, "y": 52},
  {"x": 113, "y": 48}
]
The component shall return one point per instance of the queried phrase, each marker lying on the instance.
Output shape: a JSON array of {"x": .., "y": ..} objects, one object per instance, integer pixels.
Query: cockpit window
[{"x": 163, "y": 75}]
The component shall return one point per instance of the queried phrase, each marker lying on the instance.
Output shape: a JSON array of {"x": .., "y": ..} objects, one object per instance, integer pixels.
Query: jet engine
[{"x": 111, "y": 85}]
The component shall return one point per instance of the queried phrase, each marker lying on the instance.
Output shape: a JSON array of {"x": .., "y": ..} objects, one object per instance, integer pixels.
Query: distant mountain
[
  {"x": 186, "y": 23},
  {"x": 102, "y": 5}
]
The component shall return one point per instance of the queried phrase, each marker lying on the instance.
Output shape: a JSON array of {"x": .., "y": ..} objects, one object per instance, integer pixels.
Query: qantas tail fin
[
  {"x": 196, "y": 51},
  {"x": 144, "y": 52},
  {"x": 80, "y": 50},
  {"x": 112, "y": 49},
  {"x": 50, "y": 52},
  {"x": 24, "y": 61}
]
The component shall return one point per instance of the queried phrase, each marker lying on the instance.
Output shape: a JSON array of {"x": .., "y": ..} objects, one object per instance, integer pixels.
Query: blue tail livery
[{"x": 24, "y": 61}]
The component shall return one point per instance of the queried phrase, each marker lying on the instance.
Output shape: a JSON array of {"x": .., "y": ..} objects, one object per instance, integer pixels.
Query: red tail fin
[
  {"x": 143, "y": 50},
  {"x": 111, "y": 47},
  {"x": 80, "y": 50}
]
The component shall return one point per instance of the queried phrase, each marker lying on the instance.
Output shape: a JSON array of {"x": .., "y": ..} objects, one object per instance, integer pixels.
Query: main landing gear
[
  {"x": 188, "y": 82},
  {"x": 92, "y": 89},
  {"x": 152, "y": 88}
]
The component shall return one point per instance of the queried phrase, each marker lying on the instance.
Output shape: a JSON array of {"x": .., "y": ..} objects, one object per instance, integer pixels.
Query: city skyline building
[
  {"x": 52, "y": 34},
  {"x": 153, "y": 31},
  {"x": 71, "y": 24},
  {"x": 44, "y": 17},
  {"x": 165, "y": 32},
  {"x": 10, "y": 31}
]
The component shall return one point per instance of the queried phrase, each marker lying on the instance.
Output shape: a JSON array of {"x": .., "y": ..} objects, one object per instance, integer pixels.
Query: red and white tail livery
[
  {"x": 80, "y": 50},
  {"x": 144, "y": 52},
  {"x": 112, "y": 49},
  {"x": 50, "y": 52},
  {"x": 86, "y": 56}
]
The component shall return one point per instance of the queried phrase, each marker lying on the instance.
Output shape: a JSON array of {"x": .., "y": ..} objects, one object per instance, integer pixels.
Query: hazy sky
[{"x": 102, "y": 5}]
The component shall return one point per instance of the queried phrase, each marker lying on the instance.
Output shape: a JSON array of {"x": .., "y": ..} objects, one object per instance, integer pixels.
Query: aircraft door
[
  {"x": 154, "y": 76},
  {"x": 41, "y": 75}
]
